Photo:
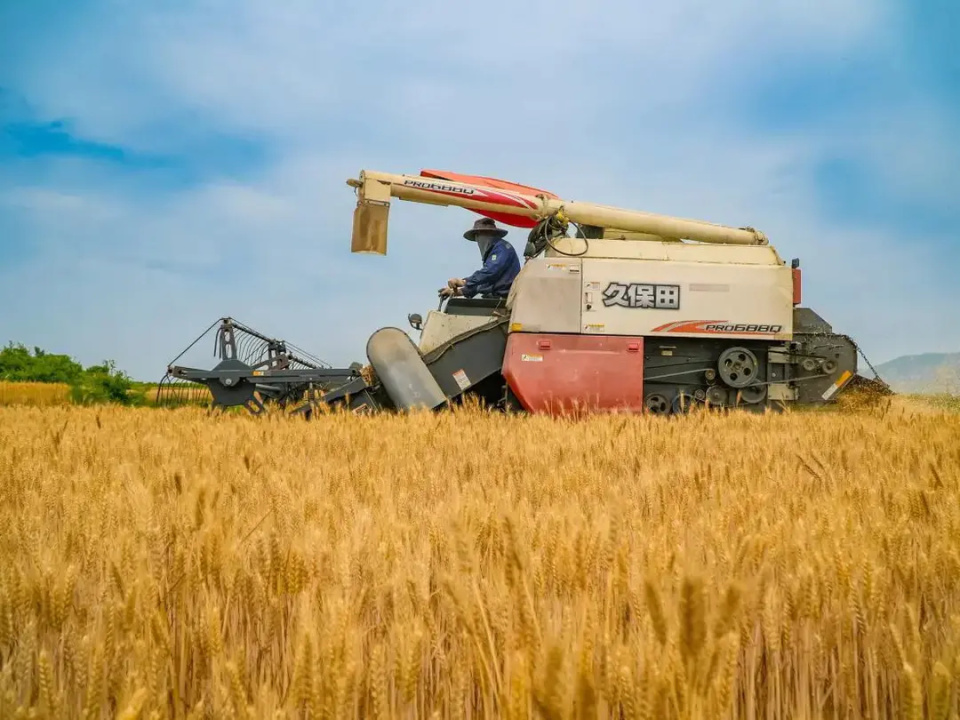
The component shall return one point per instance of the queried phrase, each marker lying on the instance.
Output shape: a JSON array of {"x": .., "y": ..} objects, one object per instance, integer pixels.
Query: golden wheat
[
  {"x": 179, "y": 395},
  {"x": 161, "y": 564},
  {"x": 34, "y": 393}
]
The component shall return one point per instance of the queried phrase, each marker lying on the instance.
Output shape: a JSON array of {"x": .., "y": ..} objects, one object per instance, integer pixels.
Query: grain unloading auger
[{"x": 636, "y": 312}]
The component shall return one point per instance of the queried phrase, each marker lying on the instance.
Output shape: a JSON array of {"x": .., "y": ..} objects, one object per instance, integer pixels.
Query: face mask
[{"x": 485, "y": 242}]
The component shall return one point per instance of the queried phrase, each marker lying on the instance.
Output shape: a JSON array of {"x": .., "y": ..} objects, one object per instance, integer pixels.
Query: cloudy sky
[{"x": 164, "y": 164}]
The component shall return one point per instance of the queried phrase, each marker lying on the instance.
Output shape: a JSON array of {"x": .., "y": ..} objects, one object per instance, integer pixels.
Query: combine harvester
[{"x": 635, "y": 312}]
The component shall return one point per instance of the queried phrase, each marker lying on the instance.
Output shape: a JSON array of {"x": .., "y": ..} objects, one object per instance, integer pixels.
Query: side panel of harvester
[
  {"x": 686, "y": 299},
  {"x": 679, "y": 290},
  {"x": 549, "y": 365},
  {"x": 556, "y": 373},
  {"x": 581, "y": 326}
]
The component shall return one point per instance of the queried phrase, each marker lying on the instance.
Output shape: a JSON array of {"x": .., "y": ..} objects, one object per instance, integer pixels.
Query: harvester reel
[
  {"x": 254, "y": 372},
  {"x": 738, "y": 367}
]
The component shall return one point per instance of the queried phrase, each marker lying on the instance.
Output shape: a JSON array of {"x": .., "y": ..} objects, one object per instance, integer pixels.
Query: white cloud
[{"x": 256, "y": 66}]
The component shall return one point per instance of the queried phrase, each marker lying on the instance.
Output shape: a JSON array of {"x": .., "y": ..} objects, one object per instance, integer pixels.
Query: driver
[{"x": 500, "y": 264}]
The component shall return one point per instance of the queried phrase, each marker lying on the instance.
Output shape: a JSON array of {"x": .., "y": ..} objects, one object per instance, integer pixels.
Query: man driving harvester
[{"x": 500, "y": 264}]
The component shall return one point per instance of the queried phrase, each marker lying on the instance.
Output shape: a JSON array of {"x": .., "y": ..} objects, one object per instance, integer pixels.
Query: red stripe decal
[{"x": 697, "y": 327}]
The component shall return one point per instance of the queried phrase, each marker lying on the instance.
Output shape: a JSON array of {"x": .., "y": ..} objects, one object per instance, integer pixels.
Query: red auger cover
[{"x": 505, "y": 218}]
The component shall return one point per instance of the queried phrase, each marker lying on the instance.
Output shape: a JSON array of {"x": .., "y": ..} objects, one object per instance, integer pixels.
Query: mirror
[{"x": 415, "y": 320}]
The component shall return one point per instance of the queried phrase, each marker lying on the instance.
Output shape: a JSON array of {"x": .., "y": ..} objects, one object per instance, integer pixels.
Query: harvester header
[{"x": 520, "y": 206}]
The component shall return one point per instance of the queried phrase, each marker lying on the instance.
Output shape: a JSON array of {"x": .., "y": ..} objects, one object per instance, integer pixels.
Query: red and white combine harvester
[{"x": 614, "y": 310}]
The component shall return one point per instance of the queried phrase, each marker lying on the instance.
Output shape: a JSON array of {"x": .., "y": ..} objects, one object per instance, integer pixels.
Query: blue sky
[{"x": 162, "y": 165}]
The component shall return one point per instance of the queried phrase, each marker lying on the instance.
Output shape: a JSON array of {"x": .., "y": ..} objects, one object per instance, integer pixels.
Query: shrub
[{"x": 96, "y": 384}]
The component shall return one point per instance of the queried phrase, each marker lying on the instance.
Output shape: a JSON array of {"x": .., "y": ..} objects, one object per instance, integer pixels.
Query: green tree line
[{"x": 96, "y": 383}]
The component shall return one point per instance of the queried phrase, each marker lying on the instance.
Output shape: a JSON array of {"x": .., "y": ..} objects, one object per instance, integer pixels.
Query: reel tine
[{"x": 175, "y": 392}]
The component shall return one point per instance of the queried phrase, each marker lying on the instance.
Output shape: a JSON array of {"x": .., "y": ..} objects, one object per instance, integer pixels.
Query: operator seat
[{"x": 474, "y": 306}]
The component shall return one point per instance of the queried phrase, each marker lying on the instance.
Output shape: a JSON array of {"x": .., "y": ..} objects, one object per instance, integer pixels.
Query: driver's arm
[{"x": 494, "y": 266}]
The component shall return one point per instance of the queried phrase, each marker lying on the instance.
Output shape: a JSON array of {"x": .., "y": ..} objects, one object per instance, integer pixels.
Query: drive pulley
[{"x": 738, "y": 367}]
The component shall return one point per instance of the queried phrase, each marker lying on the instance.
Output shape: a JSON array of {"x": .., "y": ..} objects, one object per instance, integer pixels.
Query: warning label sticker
[
  {"x": 531, "y": 358},
  {"x": 462, "y": 380}
]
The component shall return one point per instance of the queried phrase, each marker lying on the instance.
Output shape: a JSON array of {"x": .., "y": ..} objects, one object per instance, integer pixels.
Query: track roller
[
  {"x": 751, "y": 395},
  {"x": 657, "y": 404},
  {"x": 682, "y": 402}
]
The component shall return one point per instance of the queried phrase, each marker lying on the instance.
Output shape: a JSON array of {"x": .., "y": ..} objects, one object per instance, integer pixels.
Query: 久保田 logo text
[{"x": 642, "y": 295}]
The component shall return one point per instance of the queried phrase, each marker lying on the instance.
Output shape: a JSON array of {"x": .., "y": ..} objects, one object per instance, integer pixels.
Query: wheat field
[
  {"x": 34, "y": 393},
  {"x": 162, "y": 564},
  {"x": 44, "y": 394}
]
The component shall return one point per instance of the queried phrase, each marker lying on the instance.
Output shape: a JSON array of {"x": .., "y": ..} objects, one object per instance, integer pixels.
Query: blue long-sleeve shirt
[{"x": 500, "y": 267}]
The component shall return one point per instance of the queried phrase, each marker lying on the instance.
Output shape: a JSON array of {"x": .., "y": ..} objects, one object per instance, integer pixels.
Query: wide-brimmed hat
[{"x": 484, "y": 225}]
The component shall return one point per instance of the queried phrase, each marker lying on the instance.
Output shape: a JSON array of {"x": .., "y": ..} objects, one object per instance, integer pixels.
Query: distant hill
[{"x": 926, "y": 373}]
